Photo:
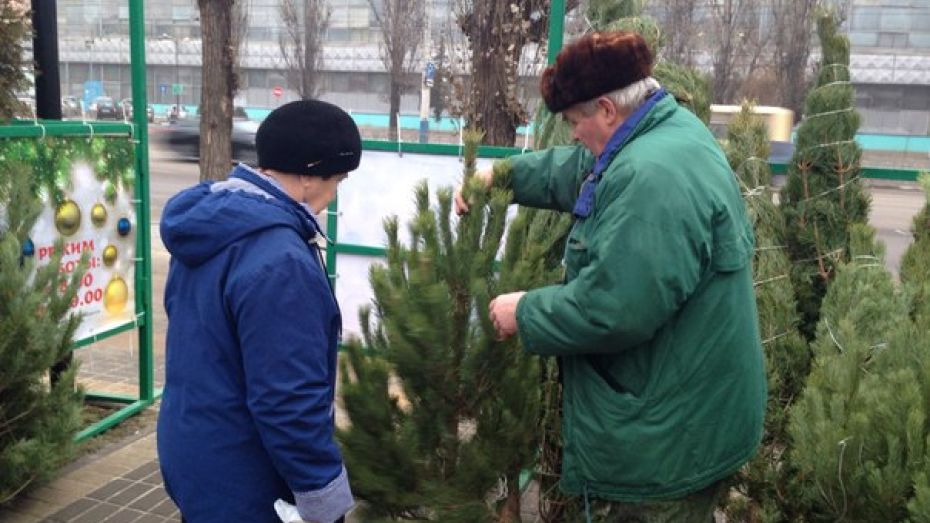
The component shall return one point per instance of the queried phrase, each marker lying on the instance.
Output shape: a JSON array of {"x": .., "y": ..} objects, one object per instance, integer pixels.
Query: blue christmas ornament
[
  {"x": 123, "y": 226},
  {"x": 29, "y": 248}
]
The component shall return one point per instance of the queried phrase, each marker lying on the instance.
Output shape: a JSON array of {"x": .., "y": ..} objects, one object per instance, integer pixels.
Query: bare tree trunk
[
  {"x": 394, "y": 109},
  {"x": 725, "y": 17},
  {"x": 496, "y": 48},
  {"x": 301, "y": 44},
  {"x": 679, "y": 30},
  {"x": 219, "y": 85},
  {"x": 402, "y": 23},
  {"x": 497, "y": 32},
  {"x": 793, "y": 32},
  {"x": 510, "y": 512}
]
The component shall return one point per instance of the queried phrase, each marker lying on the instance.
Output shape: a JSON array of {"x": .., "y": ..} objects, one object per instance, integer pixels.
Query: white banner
[{"x": 104, "y": 228}]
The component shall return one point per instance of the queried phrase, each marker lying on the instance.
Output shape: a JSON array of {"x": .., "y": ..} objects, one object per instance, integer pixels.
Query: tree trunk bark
[
  {"x": 510, "y": 512},
  {"x": 395, "y": 107},
  {"x": 494, "y": 60},
  {"x": 219, "y": 83}
]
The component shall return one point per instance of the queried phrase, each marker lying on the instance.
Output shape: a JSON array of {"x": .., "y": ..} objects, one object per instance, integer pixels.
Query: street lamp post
[
  {"x": 89, "y": 44},
  {"x": 177, "y": 77}
]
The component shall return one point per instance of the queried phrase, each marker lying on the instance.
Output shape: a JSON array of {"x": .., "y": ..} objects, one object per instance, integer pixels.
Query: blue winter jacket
[{"x": 247, "y": 411}]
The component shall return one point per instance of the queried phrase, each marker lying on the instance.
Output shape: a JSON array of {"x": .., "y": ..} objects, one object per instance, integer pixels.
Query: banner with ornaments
[{"x": 87, "y": 188}]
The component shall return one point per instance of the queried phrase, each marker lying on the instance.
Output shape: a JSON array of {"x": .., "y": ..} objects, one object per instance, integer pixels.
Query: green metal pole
[
  {"x": 556, "y": 28},
  {"x": 143, "y": 233}
]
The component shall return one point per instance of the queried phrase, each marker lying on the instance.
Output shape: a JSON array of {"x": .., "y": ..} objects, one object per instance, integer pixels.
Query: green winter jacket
[{"x": 655, "y": 324}]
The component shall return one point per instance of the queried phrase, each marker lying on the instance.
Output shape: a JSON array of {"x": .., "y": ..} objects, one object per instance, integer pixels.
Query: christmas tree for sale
[
  {"x": 37, "y": 420},
  {"x": 443, "y": 414},
  {"x": 859, "y": 430},
  {"x": 915, "y": 264},
  {"x": 690, "y": 87},
  {"x": 824, "y": 195},
  {"x": 14, "y": 32},
  {"x": 786, "y": 351}
]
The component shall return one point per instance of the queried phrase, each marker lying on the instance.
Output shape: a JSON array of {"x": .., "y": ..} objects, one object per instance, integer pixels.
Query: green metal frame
[{"x": 137, "y": 131}]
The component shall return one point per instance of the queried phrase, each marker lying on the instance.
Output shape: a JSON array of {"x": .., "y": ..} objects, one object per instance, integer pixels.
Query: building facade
[{"x": 890, "y": 63}]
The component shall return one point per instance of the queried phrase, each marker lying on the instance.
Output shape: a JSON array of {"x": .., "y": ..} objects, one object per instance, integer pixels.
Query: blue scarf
[{"x": 584, "y": 205}]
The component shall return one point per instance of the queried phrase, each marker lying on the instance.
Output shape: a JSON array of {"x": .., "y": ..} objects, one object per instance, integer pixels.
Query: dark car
[
  {"x": 183, "y": 138},
  {"x": 126, "y": 104},
  {"x": 104, "y": 108}
]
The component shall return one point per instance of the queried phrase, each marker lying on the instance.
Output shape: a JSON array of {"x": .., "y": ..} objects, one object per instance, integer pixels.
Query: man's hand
[
  {"x": 485, "y": 175},
  {"x": 503, "y": 314}
]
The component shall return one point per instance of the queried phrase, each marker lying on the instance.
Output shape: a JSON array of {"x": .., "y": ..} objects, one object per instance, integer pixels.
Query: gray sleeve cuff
[{"x": 328, "y": 503}]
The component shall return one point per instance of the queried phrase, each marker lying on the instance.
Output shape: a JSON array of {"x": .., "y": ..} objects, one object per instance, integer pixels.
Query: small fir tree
[
  {"x": 37, "y": 420},
  {"x": 454, "y": 450},
  {"x": 14, "y": 31},
  {"x": 690, "y": 87},
  {"x": 823, "y": 195},
  {"x": 915, "y": 264},
  {"x": 762, "y": 482},
  {"x": 859, "y": 429}
]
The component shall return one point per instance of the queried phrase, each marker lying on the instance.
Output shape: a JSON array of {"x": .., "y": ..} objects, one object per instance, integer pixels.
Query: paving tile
[
  {"x": 143, "y": 471},
  {"x": 150, "y": 518},
  {"x": 124, "y": 516},
  {"x": 74, "y": 510},
  {"x": 154, "y": 478},
  {"x": 96, "y": 514},
  {"x": 151, "y": 499},
  {"x": 165, "y": 509},
  {"x": 129, "y": 494},
  {"x": 110, "y": 489}
]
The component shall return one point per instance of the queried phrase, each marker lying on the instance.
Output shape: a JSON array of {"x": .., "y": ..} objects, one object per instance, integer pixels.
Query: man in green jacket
[{"x": 655, "y": 323}]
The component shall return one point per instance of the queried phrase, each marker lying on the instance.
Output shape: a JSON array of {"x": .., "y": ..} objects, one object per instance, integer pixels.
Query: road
[{"x": 894, "y": 204}]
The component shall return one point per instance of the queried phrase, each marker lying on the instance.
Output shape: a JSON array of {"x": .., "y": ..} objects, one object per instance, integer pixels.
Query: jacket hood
[{"x": 201, "y": 221}]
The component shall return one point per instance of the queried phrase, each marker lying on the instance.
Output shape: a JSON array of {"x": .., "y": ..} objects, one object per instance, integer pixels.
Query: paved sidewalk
[{"x": 122, "y": 486}]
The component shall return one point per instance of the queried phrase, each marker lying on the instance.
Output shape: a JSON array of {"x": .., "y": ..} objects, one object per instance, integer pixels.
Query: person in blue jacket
[{"x": 247, "y": 412}]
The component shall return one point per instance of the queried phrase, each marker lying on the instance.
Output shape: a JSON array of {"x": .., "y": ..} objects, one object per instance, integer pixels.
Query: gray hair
[{"x": 627, "y": 99}]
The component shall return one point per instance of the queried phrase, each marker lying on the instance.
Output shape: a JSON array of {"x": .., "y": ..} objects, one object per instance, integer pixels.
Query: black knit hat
[{"x": 308, "y": 137}]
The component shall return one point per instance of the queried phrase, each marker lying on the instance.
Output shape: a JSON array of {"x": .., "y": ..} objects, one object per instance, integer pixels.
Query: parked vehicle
[
  {"x": 70, "y": 107},
  {"x": 104, "y": 108},
  {"x": 183, "y": 138},
  {"x": 126, "y": 105}
]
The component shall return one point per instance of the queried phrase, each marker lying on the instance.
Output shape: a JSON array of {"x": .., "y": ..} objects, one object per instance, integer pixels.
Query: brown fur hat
[{"x": 593, "y": 65}]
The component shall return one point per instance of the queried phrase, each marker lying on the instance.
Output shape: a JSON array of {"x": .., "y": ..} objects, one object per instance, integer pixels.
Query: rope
[
  {"x": 826, "y": 321},
  {"x": 833, "y": 189},
  {"x": 827, "y": 113},
  {"x": 769, "y": 280},
  {"x": 775, "y": 337}
]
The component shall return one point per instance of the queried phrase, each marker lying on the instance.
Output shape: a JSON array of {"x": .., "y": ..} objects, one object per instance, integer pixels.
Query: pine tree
[
  {"x": 786, "y": 352},
  {"x": 859, "y": 429},
  {"x": 532, "y": 258},
  {"x": 915, "y": 264},
  {"x": 454, "y": 449},
  {"x": 14, "y": 29},
  {"x": 690, "y": 87},
  {"x": 37, "y": 420},
  {"x": 823, "y": 195}
]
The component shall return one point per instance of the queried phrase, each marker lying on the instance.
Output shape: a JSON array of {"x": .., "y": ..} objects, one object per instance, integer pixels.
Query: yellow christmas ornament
[
  {"x": 115, "y": 295},
  {"x": 68, "y": 218},
  {"x": 109, "y": 255},
  {"x": 98, "y": 214}
]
